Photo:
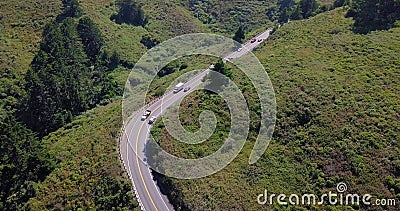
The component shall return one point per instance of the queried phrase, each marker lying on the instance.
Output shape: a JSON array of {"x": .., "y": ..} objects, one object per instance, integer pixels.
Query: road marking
[
  {"x": 162, "y": 102},
  {"x": 137, "y": 141},
  {"x": 141, "y": 127},
  {"x": 140, "y": 170}
]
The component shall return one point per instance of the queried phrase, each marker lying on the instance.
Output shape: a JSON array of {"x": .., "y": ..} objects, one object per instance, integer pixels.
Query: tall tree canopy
[
  {"x": 130, "y": 12},
  {"x": 308, "y": 7},
  {"x": 239, "y": 35},
  {"x": 91, "y": 37},
  {"x": 71, "y": 9},
  {"x": 58, "y": 83},
  {"x": 372, "y": 15},
  {"x": 68, "y": 75},
  {"x": 23, "y": 162},
  {"x": 286, "y": 4}
]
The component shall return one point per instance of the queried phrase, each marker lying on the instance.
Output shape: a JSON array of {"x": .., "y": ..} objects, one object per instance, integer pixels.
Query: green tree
[
  {"x": 308, "y": 7},
  {"x": 239, "y": 35},
  {"x": 23, "y": 162},
  {"x": 149, "y": 41},
  {"x": 296, "y": 14},
  {"x": 71, "y": 9},
  {"x": 59, "y": 80},
  {"x": 372, "y": 15},
  {"x": 284, "y": 15},
  {"x": 339, "y": 3},
  {"x": 130, "y": 12},
  {"x": 221, "y": 67},
  {"x": 286, "y": 4},
  {"x": 92, "y": 39}
]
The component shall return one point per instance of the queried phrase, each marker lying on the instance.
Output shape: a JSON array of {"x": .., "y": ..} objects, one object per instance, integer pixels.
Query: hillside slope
[
  {"x": 21, "y": 24},
  {"x": 337, "y": 121},
  {"x": 89, "y": 173}
]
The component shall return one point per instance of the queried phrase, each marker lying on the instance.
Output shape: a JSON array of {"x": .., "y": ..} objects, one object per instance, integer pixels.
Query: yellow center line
[{"x": 137, "y": 157}]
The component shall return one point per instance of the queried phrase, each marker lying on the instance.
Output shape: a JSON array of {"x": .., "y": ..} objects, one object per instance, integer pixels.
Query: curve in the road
[{"x": 146, "y": 190}]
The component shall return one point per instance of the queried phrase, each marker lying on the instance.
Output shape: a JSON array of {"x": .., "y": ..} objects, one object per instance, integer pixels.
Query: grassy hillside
[
  {"x": 166, "y": 20},
  {"x": 89, "y": 173},
  {"x": 225, "y": 17},
  {"x": 169, "y": 19},
  {"x": 338, "y": 120},
  {"x": 337, "y": 95},
  {"x": 21, "y": 24}
]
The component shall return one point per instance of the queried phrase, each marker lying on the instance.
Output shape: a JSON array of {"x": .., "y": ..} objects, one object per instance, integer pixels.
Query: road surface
[
  {"x": 248, "y": 46},
  {"x": 136, "y": 133}
]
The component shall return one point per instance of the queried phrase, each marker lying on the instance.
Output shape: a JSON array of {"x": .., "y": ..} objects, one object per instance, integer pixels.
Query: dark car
[{"x": 186, "y": 89}]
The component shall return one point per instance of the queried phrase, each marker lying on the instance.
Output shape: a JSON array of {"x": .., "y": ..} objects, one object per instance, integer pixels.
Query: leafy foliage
[
  {"x": 217, "y": 78},
  {"x": 337, "y": 120},
  {"x": 149, "y": 41},
  {"x": 239, "y": 35},
  {"x": 372, "y": 15},
  {"x": 71, "y": 9},
  {"x": 130, "y": 12},
  {"x": 308, "y": 7},
  {"x": 89, "y": 174},
  {"x": 60, "y": 83},
  {"x": 287, "y": 9},
  {"x": 91, "y": 37},
  {"x": 225, "y": 17},
  {"x": 24, "y": 162}
]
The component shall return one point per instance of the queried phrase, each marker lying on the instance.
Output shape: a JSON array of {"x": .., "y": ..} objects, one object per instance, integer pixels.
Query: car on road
[
  {"x": 239, "y": 49},
  {"x": 260, "y": 40},
  {"x": 253, "y": 40},
  {"x": 145, "y": 115},
  {"x": 186, "y": 89},
  {"x": 152, "y": 119},
  {"x": 227, "y": 59}
]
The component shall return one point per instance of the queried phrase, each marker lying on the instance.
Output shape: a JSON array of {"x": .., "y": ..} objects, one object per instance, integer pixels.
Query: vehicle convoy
[
  {"x": 178, "y": 87},
  {"x": 145, "y": 115}
]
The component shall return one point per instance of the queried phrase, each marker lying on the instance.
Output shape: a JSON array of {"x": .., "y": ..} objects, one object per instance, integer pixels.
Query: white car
[
  {"x": 145, "y": 115},
  {"x": 152, "y": 119},
  {"x": 239, "y": 49}
]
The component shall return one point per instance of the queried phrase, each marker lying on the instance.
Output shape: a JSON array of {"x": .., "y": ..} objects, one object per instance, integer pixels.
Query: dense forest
[
  {"x": 68, "y": 75},
  {"x": 129, "y": 12},
  {"x": 372, "y": 15}
]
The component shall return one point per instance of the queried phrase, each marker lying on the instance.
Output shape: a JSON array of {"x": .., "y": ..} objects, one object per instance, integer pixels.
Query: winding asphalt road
[{"x": 136, "y": 133}]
